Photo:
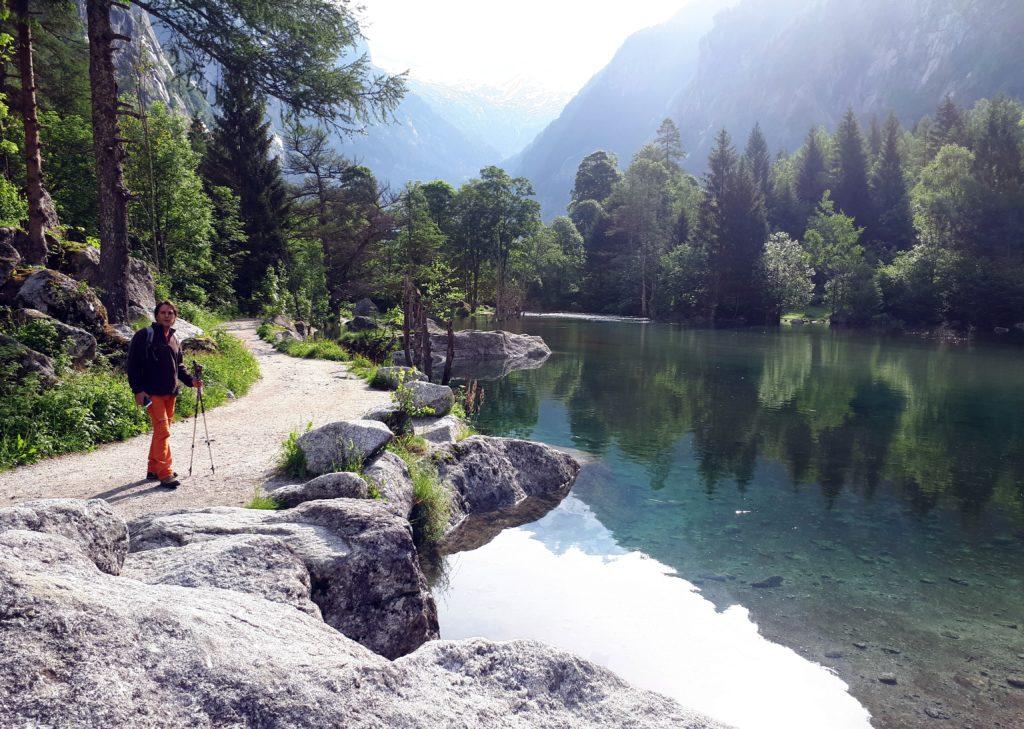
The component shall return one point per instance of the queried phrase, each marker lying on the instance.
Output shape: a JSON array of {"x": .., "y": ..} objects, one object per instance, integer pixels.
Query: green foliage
[
  {"x": 788, "y": 274},
  {"x": 314, "y": 349},
  {"x": 228, "y": 372},
  {"x": 431, "y": 503},
  {"x": 364, "y": 368},
  {"x": 292, "y": 460},
  {"x": 260, "y": 501}
]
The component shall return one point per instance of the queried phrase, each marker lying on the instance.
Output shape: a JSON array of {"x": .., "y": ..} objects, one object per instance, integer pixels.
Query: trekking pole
[
  {"x": 197, "y": 373},
  {"x": 195, "y": 423}
]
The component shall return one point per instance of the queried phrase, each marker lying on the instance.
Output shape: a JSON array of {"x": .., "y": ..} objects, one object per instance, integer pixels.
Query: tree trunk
[
  {"x": 449, "y": 354},
  {"x": 38, "y": 201},
  {"x": 426, "y": 358},
  {"x": 109, "y": 150},
  {"x": 406, "y": 317}
]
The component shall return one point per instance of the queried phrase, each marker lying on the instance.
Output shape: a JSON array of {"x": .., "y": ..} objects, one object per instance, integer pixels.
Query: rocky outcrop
[
  {"x": 361, "y": 559},
  {"x": 99, "y": 533},
  {"x": 361, "y": 324},
  {"x": 64, "y": 298},
  {"x": 84, "y": 648},
  {"x": 255, "y": 564},
  {"x": 80, "y": 344},
  {"x": 398, "y": 420},
  {"x": 29, "y": 361},
  {"x": 391, "y": 476},
  {"x": 473, "y": 345},
  {"x": 342, "y": 485},
  {"x": 428, "y": 398},
  {"x": 365, "y": 307},
  {"x": 9, "y": 260},
  {"x": 439, "y": 431},
  {"x": 497, "y": 483},
  {"x": 185, "y": 330},
  {"x": 83, "y": 263},
  {"x": 346, "y": 443},
  {"x": 389, "y": 378}
]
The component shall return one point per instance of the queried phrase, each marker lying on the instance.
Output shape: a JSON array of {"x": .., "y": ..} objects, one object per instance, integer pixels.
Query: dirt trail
[{"x": 247, "y": 435}]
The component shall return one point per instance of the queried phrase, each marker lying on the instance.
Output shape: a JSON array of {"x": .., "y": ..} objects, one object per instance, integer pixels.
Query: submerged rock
[
  {"x": 342, "y": 444},
  {"x": 361, "y": 559},
  {"x": 341, "y": 485},
  {"x": 498, "y": 483}
]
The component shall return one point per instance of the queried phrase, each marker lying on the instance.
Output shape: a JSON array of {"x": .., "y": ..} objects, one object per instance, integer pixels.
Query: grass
[
  {"x": 260, "y": 501},
  {"x": 431, "y": 501},
  {"x": 292, "y": 461},
  {"x": 314, "y": 349},
  {"x": 408, "y": 446},
  {"x": 810, "y": 313},
  {"x": 364, "y": 368},
  {"x": 96, "y": 406}
]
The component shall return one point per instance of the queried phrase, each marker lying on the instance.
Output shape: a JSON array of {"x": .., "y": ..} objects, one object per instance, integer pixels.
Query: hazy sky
[{"x": 560, "y": 43}]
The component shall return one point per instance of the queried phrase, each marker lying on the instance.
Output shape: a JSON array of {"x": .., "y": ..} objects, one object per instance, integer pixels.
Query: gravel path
[{"x": 247, "y": 437}]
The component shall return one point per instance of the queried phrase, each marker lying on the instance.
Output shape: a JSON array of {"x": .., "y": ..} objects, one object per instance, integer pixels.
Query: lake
[{"x": 779, "y": 527}]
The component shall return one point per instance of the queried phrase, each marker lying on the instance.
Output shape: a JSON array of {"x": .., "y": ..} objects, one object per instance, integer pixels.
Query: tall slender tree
[
  {"x": 850, "y": 171},
  {"x": 894, "y": 226},
  {"x": 948, "y": 127},
  {"x": 811, "y": 172},
  {"x": 595, "y": 178},
  {"x": 239, "y": 157},
  {"x": 758, "y": 160},
  {"x": 287, "y": 50}
]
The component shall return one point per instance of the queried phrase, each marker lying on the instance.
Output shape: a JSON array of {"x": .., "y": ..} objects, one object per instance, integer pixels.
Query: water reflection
[
  {"x": 585, "y": 593},
  {"x": 841, "y": 411}
]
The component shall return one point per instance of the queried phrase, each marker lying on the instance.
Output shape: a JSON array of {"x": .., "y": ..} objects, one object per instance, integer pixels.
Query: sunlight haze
[{"x": 558, "y": 44}]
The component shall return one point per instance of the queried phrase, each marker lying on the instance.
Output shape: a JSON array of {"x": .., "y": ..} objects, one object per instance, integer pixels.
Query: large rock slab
[
  {"x": 361, "y": 324},
  {"x": 339, "y": 445},
  {"x": 497, "y": 483},
  {"x": 391, "y": 476},
  {"x": 80, "y": 344},
  {"x": 185, "y": 330},
  {"x": 92, "y": 525},
  {"x": 426, "y": 398},
  {"x": 342, "y": 485},
  {"x": 251, "y": 563},
  {"x": 365, "y": 307},
  {"x": 80, "y": 648},
  {"x": 64, "y": 298},
  {"x": 361, "y": 559},
  {"x": 474, "y": 345}
]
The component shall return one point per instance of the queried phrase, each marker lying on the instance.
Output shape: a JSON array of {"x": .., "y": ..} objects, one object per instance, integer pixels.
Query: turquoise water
[{"x": 859, "y": 498}]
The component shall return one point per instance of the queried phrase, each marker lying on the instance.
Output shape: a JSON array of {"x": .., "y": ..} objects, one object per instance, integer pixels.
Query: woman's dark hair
[{"x": 162, "y": 304}]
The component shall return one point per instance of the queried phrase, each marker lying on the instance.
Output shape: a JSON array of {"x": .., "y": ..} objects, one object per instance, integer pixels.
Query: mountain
[
  {"x": 505, "y": 117},
  {"x": 788, "y": 64},
  {"x": 620, "y": 107}
]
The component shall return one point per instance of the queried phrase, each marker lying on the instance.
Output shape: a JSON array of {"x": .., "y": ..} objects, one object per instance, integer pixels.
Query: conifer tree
[
  {"x": 948, "y": 127},
  {"x": 874, "y": 139},
  {"x": 669, "y": 144},
  {"x": 758, "y": 160},
  {"x": 850, "y": 171},
  {"x": 239, "y": 158},
  {"x": 811, "y": 172},
  {"x": 894, "y": 226},
  {"x": 595, "y": 177}
]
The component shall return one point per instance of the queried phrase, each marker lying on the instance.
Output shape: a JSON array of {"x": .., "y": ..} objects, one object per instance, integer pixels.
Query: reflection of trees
[{"x": 840, "y": 411}]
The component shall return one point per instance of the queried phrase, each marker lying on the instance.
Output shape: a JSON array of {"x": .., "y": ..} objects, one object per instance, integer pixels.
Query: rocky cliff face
[
  {"x": 788, "y": 64},
  {"x": 160, "y": 81}
]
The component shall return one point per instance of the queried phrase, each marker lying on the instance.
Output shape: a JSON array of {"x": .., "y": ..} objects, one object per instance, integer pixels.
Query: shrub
[
  {"x": 292, "y": 460},
  {"x": 231, "y": 370},
  {"x": 431, "y": 503}
]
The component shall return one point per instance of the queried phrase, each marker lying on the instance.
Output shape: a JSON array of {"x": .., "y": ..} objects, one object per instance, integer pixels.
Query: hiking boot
[
  {"x": 171, "y": 482},
  {"x": 150, "y": 476}
]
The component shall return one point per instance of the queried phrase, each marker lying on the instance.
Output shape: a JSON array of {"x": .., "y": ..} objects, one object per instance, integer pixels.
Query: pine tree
[
  {"x": 894, "y": 227},
  {"x": 948, "y": 127},
  {"x": 850, "y": 171},
  {"x": 731, "y": 230},
  {"x": 669, "y": 144},
  {"x": 596, "y": 176},
  {"x": 758, "y": 160},
  {"x": 811, "y": 172},
  {"x": 874, "y": 139},
  {"x": 238, "y": 157}
]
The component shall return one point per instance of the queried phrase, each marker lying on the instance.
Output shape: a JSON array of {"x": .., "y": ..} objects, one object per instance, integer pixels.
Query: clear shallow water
[{"x": 876, "y": 483}]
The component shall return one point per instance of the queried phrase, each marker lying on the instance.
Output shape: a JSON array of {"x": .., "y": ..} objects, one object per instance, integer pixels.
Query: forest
[{"x": 251, "y": 210}]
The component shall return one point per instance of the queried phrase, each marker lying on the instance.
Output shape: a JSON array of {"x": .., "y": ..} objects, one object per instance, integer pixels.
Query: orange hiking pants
[{"x": 161, "y": 415}]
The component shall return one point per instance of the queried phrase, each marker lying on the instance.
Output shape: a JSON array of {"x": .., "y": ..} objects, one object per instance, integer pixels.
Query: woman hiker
[{"x": 155, "y": 365}]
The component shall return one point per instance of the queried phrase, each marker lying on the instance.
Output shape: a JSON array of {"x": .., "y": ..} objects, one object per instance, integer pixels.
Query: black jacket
[{"x": 157, "y": 368}]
